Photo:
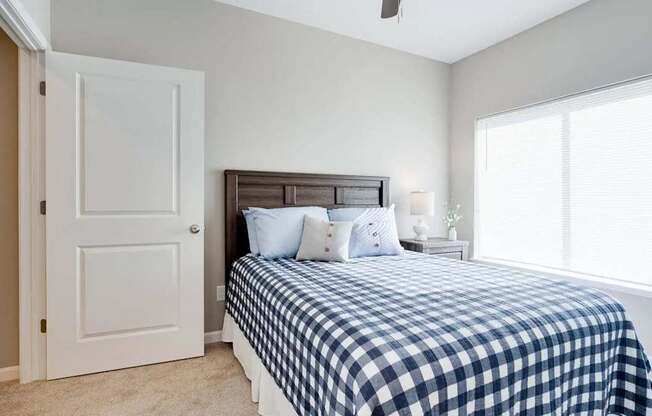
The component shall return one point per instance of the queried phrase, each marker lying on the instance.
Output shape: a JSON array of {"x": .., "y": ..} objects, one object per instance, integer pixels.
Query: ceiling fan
[{"x": 390, "y": 8}]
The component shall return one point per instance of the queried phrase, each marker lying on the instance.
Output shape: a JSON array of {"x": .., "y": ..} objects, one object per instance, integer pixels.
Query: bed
[{"x": 417, "y": 334}]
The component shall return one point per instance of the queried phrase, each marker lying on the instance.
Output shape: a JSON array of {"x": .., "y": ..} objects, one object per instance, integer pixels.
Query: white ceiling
[{"x": 443, "y": 30}]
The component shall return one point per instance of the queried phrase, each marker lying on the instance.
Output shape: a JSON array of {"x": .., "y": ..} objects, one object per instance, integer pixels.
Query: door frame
[
  {"x": 31, "y": 224},
  {"x": 31, "y": 42}
]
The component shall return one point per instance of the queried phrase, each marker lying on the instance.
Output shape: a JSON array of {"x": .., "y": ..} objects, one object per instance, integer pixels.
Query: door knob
[{"x": 195, "y": 229}]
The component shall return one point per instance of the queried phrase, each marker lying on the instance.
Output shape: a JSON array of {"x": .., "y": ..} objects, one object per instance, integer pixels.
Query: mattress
[{"x": 419, "y": 334}]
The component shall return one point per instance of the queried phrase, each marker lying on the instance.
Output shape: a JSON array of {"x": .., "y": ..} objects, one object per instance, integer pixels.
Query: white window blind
[{"x": 567, "y": 185}]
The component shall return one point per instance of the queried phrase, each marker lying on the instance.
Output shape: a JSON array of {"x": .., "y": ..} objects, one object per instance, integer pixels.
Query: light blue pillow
[
  {"x": 345, "y": 214},
  {"x": 374, "y": 234},
  {"x": 278, "y": 230},
  {"x": 251, "y": 232}
]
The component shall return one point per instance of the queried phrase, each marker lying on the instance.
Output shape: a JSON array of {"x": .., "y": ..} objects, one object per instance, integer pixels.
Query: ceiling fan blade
[{"x": 390, "y": 8}]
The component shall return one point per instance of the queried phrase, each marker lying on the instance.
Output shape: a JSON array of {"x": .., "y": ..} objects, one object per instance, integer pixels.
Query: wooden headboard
[{"x": 280, "y": 189}]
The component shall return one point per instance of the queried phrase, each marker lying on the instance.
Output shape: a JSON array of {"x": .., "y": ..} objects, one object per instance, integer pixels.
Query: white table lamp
[{"x": 422, "y": 203}]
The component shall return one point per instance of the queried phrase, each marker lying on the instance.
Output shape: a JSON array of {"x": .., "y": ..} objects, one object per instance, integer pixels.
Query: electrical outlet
[{"x": 221, "y": 294}]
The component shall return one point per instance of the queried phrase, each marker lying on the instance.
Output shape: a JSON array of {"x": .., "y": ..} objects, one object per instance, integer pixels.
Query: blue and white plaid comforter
[{"x": 415, "y": 334}]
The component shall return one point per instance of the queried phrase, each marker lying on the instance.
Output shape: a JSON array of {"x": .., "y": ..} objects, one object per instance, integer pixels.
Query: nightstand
[{"x": 458, "y": 250}]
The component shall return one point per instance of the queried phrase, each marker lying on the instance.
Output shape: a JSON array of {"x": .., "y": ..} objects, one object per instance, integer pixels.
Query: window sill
[{"x": 578, "y": 278}]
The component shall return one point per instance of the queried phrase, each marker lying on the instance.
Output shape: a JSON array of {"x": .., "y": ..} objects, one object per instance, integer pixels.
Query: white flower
[{"x": 453, "y": 216}]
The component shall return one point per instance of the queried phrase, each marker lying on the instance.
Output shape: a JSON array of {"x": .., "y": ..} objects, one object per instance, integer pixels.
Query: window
[{"x": 567, "y": 185}]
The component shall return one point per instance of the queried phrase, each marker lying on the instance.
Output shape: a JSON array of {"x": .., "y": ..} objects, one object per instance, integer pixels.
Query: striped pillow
[{"x": 374, "y": 234}]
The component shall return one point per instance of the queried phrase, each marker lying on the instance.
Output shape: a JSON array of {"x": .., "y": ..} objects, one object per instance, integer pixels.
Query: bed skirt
[{"x": 264, "y": 391}]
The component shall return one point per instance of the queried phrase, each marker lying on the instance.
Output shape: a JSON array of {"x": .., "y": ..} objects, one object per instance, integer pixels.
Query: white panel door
[{"x": 125, "y": 183}]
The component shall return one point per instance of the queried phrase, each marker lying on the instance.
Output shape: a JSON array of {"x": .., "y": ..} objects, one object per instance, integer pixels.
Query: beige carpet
[{"x": 212, "y": 385}]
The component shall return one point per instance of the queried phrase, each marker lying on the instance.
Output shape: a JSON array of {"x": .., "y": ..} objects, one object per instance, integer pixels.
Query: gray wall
[
  {"x": 598, "y": 43},
  {"x": 280, "y": 96}
]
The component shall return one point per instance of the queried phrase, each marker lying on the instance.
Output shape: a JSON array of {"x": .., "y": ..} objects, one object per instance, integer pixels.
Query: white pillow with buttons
[
  {"x": 324, "y": 240},
  {"x": 375, "y": 234}
]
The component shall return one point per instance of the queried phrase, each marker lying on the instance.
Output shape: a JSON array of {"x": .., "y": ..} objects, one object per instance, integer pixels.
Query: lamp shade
[{"x": 422, "y": 203}]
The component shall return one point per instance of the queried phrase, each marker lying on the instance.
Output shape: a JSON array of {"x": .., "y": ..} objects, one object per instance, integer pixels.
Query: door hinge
[
  {"x": 43, "y": 207},
  {"x": 41, "y": 88},
  {"x": 44, "y": 326}
]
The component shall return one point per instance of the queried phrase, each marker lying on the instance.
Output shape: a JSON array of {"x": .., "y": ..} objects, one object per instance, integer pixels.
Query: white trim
[
  {"x": 8, "y": 373},
  {"x": 39, "y": 294},
  {"x": 22, "y": 25},
  {"x": 24, "y": 217},
  {"x": 212, "y": 337},
  {"x": 476, "y": 193},
  {"x": 574, "y": 277},
  {"x": 31, "y": 235},
  {"x": 10, "y": 32}
]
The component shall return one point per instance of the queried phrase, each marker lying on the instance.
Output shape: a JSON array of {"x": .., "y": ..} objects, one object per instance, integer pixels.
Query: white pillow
[
  {"x": 324, "y": 240},
  {"x": 374, "y": 234}
]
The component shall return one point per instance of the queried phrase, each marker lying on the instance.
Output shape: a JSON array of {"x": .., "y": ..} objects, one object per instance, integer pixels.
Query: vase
[{"x": 452, "y": 234}]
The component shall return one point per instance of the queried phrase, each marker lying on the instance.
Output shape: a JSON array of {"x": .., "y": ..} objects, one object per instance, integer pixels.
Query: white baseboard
[
  {"x": 212, "y": 337},
  {"x": 11, "y": 373}
]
